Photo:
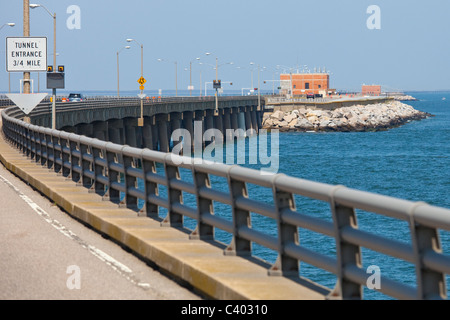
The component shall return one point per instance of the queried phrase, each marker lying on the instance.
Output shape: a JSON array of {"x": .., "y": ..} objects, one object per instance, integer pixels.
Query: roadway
[{"x": 47, "y": 255}]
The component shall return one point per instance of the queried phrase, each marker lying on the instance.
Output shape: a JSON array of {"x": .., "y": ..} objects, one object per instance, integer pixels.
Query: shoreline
[{"x": 357, "y": 118}]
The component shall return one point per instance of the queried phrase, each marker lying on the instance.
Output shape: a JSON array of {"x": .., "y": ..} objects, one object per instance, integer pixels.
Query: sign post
[{"x": 141, "y": 82}]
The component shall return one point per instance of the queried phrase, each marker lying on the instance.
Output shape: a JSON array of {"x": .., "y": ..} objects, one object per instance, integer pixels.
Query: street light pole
[
  {"x": 11, "y": 24},
  {"x": 33, "y": 6},
  {"x": 26, "y": 33},
  {"x": 142, "y": 76},
  {"x": 176, "y": 75},
  {"x": 126, "y": 47}
]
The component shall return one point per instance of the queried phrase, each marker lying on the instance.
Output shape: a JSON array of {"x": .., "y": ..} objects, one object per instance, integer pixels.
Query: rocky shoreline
[
  {"x": 404, "y": 98},
  {"x": 373, "y": 117}
]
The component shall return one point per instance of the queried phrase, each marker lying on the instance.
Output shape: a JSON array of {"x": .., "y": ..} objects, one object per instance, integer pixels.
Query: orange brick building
[
  {"x": 372, "y": 90},
  {"x": 303, "y": 83}
]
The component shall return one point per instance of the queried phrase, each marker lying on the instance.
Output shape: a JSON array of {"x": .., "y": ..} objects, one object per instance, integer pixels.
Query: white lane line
[{"x": 113, "y": 263}]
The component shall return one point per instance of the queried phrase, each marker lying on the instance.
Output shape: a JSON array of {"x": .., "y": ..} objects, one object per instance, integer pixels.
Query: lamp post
[
  {"x": 126, "y": 47},
  {"x": 176, "y": 76},
  {"x": 217, "y": 76},
  {"x": 11, "y": 24},
  {"x": 33, "y": 6},
  {"x": 190, "y": 76},
  {"x": 141, "y": 123}
]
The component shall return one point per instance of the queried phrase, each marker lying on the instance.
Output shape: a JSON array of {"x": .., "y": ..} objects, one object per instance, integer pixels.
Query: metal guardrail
[{"x": 98, "y": 165}]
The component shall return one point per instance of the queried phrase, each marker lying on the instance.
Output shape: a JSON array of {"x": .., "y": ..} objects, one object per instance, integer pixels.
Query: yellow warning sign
[
  {"x": 141, "y": 81},
  {"x": 141, "y": 87}
]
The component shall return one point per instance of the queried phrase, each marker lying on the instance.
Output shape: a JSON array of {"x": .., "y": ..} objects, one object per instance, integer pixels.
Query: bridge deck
[{"x": 199, "y": 263}]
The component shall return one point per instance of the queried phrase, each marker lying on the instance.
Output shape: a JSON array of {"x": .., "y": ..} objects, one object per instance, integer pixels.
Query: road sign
[
  {"x": 26, "y": 101},
  {"x": 26, "y": 54},
  {"x": 142, "y": 95},
  {"x": 141, "y": 81},
  {"x": 141, "y": 87}
]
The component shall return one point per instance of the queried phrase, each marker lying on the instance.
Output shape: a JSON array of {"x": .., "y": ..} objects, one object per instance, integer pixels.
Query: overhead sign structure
[{"x": 26, "y": 54}]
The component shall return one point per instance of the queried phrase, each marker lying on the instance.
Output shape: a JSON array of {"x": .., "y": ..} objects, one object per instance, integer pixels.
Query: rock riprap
[{"x": 373, "y": 117}]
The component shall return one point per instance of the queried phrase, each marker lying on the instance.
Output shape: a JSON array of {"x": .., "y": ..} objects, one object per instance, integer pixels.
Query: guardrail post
[
  {"x": 74, "y": 160},
  {"x": 32, "y": 135},
  {"x": 65, "y": 156},
  {"x": 112, "y": 194},
  {"x": 57, "y": 152},
  {"x": 285, "y": 266},
  {"x": 150, "y": 188},
  {"x": 85, "y": 165},
  {"x": 204, "y": 206},
  {"x": 42, "y": 147},
  {"x": 50, "y": 150},
  {"x": 238, "y": 245},
  {"x": 97, "y": 186},
  {"x": 129, "y": 201},
  {"x": 347, "y": 254},
  {"x": 172, "y": 219},
  {"x": 27, "y": 141},
  {"x": 430, "y": 284}
]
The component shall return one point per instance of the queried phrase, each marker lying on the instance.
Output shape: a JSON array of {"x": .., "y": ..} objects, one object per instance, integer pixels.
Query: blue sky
[{"x": 410, "y": 52}]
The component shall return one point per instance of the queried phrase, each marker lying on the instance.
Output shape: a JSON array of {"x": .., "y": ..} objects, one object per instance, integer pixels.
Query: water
[{"x": 409, "y": 162}]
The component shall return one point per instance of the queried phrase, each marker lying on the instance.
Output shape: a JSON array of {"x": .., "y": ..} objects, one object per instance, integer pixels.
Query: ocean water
[{"x": 410, "y": 162}]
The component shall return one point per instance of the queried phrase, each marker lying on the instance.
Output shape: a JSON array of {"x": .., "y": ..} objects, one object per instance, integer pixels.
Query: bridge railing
[{"x": 115, "y": 171}]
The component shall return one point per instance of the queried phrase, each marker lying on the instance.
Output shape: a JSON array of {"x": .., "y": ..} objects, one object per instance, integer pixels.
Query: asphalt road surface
[{"x": 47, "y": 255}]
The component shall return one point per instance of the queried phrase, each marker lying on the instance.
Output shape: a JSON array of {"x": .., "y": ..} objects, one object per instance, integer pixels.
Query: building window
[
  {"x": 320, "y": 86},
  {"x": 307, "y": 85}
]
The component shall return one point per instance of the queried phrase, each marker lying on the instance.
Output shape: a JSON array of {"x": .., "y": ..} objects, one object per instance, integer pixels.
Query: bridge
[
  {"x": 124, "y": 188},
  {"x": 102, "y": 119}
]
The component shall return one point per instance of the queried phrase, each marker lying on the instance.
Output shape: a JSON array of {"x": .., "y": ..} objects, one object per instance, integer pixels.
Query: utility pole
[{"x": 26, "y": 33}]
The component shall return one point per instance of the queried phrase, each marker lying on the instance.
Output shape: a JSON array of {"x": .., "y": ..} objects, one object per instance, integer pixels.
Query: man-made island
[{"x": 370, "y": 117}]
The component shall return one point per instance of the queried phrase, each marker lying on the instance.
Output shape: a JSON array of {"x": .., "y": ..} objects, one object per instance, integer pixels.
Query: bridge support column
[
  {"x": 147, "y": 136},
  {"x": 227, "y": 123},
  {"x": 188, "y": 124},
  {"x": 254, "y": 121},
  {"x": 209, "y": 122},
  {"x": 69, "y": 129},
  {"x": 218, "y": 121},
  {"x": 86, "y": 129},
  {"x": 115, "y": 131},
  {"x": 248, "y": 118},
  {"x": 199, "y": 129},
  {"x": 100, "y": 129},
  {"x": 130, "y": 125},
  {"x": 234, "y": 118},
  {"x": 161, "y": 122},
  {"x": 241, "y": 118},
  {"x": 259, "y": 115},
  {"x": 175, "y": 123}
]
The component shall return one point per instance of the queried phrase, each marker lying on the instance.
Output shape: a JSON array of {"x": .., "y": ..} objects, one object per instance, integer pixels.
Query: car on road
[
  {"x": 75, "y": 97},
  {"x": 310, "y": 96}
]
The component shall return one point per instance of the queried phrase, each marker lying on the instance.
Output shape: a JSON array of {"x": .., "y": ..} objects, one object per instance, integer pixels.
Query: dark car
[
  {"x": 310, "y": 95},
  {"x": 75, "y": 97}
]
